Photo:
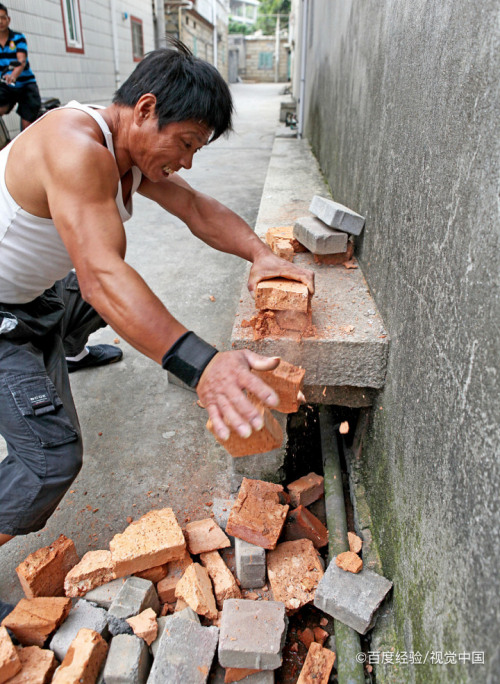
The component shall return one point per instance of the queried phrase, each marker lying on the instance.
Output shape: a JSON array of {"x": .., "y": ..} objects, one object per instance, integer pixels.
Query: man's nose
[{"x": 187, "y": 160}]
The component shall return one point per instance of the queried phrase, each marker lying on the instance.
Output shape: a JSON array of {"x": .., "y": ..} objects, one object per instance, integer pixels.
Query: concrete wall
[
  {"x": 252, "y": 70},
  {"x": 87, "y": 77},
  {"x": 402, "y": 112}
]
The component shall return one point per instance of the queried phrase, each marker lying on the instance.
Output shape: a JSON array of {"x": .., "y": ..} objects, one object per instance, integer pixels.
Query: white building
[
  {"x": 83, "y": 49},
  {"x": 244, "y": 11}
]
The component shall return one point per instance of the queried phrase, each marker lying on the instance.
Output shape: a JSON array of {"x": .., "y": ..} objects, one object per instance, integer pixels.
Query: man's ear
[{"x": 144, "y": 108}]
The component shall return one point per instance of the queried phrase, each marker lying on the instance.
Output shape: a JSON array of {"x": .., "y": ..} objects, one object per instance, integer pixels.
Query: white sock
[{"x": 79, "y": 356}]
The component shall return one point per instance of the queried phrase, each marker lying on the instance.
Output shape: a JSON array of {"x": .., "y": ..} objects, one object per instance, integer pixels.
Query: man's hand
[
  {"x": 221, "y": 386},
  {"x": 267, "y": 265}
]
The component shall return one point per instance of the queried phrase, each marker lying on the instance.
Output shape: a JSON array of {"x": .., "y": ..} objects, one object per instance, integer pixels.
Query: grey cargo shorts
[{"x": 38, "y": 419}]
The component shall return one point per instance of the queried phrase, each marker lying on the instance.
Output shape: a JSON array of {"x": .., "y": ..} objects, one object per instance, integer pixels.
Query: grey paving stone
[
  {"x": 352, "y": 599},
  {"x": 136, "y": 595},
  {"x": 185, "y": 653},
  {"x": 128, "y": 661},
  {"x": 252, "y": 634},
  {"x": 185, "y": 614},
  {"x": 250, "y": 564},
  {"x": 318, "y": 237},
  {"x": 83, "y": 614},
  {"x": 104, "y": 595},
  {"x": 337, "y": 215}
]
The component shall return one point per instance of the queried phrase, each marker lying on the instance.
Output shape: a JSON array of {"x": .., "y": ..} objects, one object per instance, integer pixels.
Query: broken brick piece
[
  {"x": 283, "y": 249},
  {"x": 287, "y": 381},
  {"x": 145, "y": 625},
  {"x": 256, "y": 516},
  {"x": 154, "y": 575},
  {"x": 281, "y": 293},
  {"x": 83, "y": 660},
  {"x": 355, "y": 542},
  {"x": 95, "y": 568},
  {"x": 306, "y": 636},
  {"x": 195, "y": 589},
  {"x": 156, "y": 538},
  {"x": 32, "y": 620},
  {"x": 9, "y": 658},
  {"x": 334, "y": 259},
  {"x": 294, "y": 570},
  {"x": 223, "y": 580},
  {"x": 349, "y": 561},
  {"x": 175, "y": 570},
  {"x": 293, "y": 320},
  {"x": 42, "y": 573},
  {"x": 236, "y": 674},
  {"x": 259, "y": 442},
  {"x": 38, "y": 665},
  {"x": 306, "y": 489},
  {"x": 267, "y": 491},
  {"x": 283, "y": 233},
  {"x": 320, "y": 635},
  {"x": 205, "y": 535},
  {"x": 317, "y": 666},
  {"x": 302, "y": 524}
]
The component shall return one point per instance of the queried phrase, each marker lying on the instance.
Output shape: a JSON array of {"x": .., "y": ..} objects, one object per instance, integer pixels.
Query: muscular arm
[
  {"x": 91, "y": 228},
  {"x": 222, "y": 229}
]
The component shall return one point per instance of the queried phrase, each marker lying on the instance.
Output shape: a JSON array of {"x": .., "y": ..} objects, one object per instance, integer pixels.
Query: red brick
[
  {"x": 281, "y": 293},
  {"x": 175, "y": 570},
  {"x": 42, "y": 573},
  {"x": 38, "y": 666},
  {"x": 9, "y": 659},
  {"x": 195, "y": 589},
  {"x": 320, "y": 635},
  {"x": 236, "y": 674},
  {"x": 287, "y": 381},
  {"x": 145, "y": 625},
  {"x": 306, "y": 637},
  {"x": 355, "y": 542},
  {"x": 223, "y": 580},
  {"x": 306, "y": 489},
  {"x": 95, "y": 568},
  {"x": 205, "y": 535},
  {"x": 293, "y": 320},
  {"x": 154, "y": 575},
  {"x": 259, "y": 442},
  {"x": 283, "y": 249},
  {"x": 83, "y": 660},
  {"x": 350, "y": 562},
  {"x": 334, "y": 259},
  {"x": 156, "y": 538},
  {"x": 283, "y": 233},
  {"x": 318, "y": 665},
  {"x": 294, "y": 572},
  {"x": 256, "y": 516},
  {"x": 267, "y": 491},
  {"x": 32, "y": 620},
  {"x": 302, "y": 524}
]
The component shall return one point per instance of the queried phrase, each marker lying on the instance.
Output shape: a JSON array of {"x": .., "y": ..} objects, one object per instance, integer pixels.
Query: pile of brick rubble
[{"x": 166, "y": 601}]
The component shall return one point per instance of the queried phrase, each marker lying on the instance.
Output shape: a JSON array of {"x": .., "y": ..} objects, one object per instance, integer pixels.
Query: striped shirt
[{"x": 16, "y": 42}]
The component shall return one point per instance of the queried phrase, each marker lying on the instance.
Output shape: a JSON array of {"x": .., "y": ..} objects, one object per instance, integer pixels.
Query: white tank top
[{"x": 32, "y": 254}]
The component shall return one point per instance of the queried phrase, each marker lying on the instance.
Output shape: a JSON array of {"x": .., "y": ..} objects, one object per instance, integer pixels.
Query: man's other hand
[
  {"x": 221, "y": 391},
  {"x": 271, "y": 266}
]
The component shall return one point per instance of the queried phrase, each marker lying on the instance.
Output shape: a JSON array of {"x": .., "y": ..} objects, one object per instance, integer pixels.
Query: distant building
[{"x": 244, "y": 11}]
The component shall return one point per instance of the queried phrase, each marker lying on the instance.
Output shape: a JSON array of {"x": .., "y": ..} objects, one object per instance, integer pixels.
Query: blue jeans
[{"x": 38, "y": 418}]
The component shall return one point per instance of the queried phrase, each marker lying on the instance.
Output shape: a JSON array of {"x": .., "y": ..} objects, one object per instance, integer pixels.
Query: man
[
  {"x": 20, "y": 85},
  {"x": 85, "y": 163}
]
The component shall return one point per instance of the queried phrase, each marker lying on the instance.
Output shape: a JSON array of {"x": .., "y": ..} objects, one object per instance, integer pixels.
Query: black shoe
[
  {"x": 5, "y": 609},
  {"x": 99, "y": 355}
]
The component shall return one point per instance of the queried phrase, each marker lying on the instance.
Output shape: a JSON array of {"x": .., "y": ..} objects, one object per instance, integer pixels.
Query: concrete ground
[{"x": 146, "y": 445}]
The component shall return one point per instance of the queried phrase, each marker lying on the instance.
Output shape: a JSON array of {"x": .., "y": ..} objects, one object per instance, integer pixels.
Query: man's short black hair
[
  {"x": 185, "y": 87},
  {"x": 2, "y": 7}
]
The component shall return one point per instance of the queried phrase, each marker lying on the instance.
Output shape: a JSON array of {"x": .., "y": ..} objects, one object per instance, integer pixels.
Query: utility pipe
[
  {"x": 114, "y": 34},
  {"x": 214, "y": 7},
  {"x": 347, "y": 642},
  {"x": 303, "y": 61}
]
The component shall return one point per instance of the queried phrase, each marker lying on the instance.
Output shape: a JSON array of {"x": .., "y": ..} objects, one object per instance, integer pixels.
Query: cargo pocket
[{"x": 42, "y": 409}]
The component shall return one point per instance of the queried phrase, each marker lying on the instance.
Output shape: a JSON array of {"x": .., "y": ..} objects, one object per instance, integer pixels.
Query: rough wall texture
[{"x": 402, "y": 112}]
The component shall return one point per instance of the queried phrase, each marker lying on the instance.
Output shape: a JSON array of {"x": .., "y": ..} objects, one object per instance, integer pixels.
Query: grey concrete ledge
[{"x": 350, "y": 348}]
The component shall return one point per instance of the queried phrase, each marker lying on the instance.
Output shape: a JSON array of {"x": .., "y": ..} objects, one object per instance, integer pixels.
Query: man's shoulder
[{"x": 16, "y": 36}]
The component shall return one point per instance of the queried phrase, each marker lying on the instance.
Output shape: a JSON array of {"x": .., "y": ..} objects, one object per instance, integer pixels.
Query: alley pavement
[{"x": 145, "y": 440}]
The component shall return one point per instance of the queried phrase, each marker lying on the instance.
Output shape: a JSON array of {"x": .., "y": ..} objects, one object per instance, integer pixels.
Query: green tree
[
  {"x": 239, "y": 27},
  {"x": 269, "y": 7}
]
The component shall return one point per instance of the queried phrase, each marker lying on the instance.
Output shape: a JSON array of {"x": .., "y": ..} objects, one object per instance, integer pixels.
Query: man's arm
[
  {"x": 222, "y": 229},
  {"x": 90, "y": 226},
  {"x": 13, "y": 75}
]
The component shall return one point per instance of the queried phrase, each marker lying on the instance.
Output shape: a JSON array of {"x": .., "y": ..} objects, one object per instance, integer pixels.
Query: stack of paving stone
[
  {"x": 325, "y": 233},
  {"x": 162, "y": 605}
]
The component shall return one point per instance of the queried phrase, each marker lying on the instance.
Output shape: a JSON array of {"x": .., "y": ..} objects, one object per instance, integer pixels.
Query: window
[
  {"x": 265, "y": 60},
  {"x": 72, "y": 25},
  {"x": 137, "y": 39}
]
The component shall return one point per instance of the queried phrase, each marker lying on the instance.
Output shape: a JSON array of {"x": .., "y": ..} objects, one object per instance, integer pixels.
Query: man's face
[
  {"x": 4, "y": 20},
  {"x": 158, "y": 153}
]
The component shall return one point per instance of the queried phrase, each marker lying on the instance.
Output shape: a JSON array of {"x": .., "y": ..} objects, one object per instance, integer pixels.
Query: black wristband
[{"x": 188, "y": 357}]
